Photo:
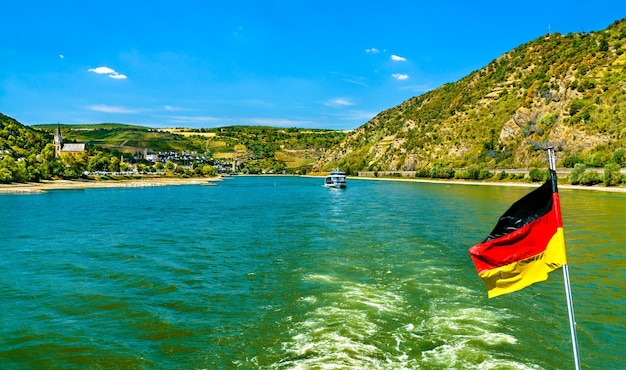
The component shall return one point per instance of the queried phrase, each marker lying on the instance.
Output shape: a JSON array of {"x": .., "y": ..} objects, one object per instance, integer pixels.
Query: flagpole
[{"x": 568, "y": 289}]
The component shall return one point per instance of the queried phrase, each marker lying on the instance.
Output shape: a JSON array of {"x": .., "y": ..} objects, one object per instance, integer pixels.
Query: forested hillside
[
  {"x": 568, "y": 90},
  {"x": 263, "y": 148},
  {"x": 25, "y": 154},
  {"x": 257, "y": 148},
  {"x": 20, "y": 139}
]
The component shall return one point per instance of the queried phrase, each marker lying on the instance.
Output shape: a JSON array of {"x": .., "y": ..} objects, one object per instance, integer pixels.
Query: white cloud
[
  {"x": 171, "y": 108},
  {"x": 102, "y": 70},
  {"x": 397, "y": 58},
  {"x": 338, "y": 102},
  {"x": 372, "y": 51},
  {"x": 110, "y": 109},
  {"x": 61, "y": 56},
  {"x": 110, "y": 72},
  {"x": 400, "y": 76}
]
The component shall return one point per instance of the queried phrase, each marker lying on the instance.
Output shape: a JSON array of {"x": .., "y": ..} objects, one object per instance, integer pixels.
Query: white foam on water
[
  {"x": 371, "y": 296},
  {"x": 495, "y": 339},
  {"x": 467, "y": 337},
  {"x": 310, "y": 299},
  {"x": 339, "y": 333},
  {"x": 348, "y": 327},
  {"x": 320, "y": 277}
]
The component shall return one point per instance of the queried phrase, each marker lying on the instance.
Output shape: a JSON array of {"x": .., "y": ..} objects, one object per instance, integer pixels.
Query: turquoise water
[{"x": 282, "y": 273}]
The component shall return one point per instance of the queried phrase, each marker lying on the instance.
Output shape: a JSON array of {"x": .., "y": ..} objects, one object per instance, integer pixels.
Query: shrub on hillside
[
  {"x": 569, "y": 162},
  {"x": 619, "y": 157}
]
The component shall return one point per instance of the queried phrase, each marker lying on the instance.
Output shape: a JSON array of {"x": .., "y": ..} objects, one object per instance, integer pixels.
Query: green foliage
[
  {"x": 590, "y": 178},
  {"x": 580, "y": 176},
  {"x": 473, "y": 173},
  {"x": 440, "y": 172},
  {"x": 25, "y": 154},
  {"x": 575, "y": 177},
  {"x": 571, "y": 161},
  {"x": 619, "y": 157},
  {"x": 423, "y": 172},
  {"x": 612, "y": 176},
  {"x": 208, "y": 170},
  {"x": 537, "y": 175},
  {"x": 600, "y": 157}
]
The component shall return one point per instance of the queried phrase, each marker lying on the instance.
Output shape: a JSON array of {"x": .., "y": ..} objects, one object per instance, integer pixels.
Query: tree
[
  {"x": 5, "y": 175},
  {"x": 74, "y": 164},
  {"x": 537, "y": 175},
  {"x": 590, "y": 178},
  {"x": 618, "y": 157},
  {"x": 208, "y": 170},
  {"x": 576, "y": 175},
  {"x": 604, "y": 45},
  {"x": 612, "y": 175},
  {"x": 98, "y": 162},
  {"x": 114, "y": 164}
]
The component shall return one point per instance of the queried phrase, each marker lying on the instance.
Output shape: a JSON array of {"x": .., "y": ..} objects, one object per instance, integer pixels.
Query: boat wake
[
  {"x": 343, "y": 331},
  {"x": 354, "y": 325}
]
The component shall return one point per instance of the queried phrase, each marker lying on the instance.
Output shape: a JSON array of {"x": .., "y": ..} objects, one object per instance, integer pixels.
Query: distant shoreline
[
  {"x": 46, "y": 185},
  {"x": 611, "y": 189}
]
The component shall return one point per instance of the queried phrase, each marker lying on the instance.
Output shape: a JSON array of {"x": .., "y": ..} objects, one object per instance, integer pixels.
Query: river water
[{"x": 282, "y": 273}]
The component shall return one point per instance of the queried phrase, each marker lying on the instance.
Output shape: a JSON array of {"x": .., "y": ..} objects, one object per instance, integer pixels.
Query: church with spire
[{"x": 60, "y": 147}]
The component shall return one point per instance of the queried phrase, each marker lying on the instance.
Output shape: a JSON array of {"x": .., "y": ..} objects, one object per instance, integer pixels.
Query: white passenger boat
[{"x": 336, "y": 179}]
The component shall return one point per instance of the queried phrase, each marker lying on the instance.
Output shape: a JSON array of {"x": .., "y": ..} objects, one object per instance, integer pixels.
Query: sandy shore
[{"x": 39, "y": 187}]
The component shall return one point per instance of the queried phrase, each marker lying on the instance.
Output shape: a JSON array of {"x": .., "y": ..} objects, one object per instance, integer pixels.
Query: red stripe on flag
[{"x": 523, "y": 243}]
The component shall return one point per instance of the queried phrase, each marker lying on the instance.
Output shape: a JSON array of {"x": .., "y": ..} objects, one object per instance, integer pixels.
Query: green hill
[
  {"x": 567, "y": 90},
  {"x": 265, "y": 148},
  {"x": 21, "y": 140},
  {"x": 121, "y": 137},
  {"x": 259, "y": 148},
  {"x": 26, "y": 154}
]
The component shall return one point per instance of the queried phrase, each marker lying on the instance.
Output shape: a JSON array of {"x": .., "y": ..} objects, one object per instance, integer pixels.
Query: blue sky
[{"x": 311, "y": 64}]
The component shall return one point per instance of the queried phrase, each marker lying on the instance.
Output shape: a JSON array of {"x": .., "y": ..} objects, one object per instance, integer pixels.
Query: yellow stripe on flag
[{"x": 520, "y": 274}]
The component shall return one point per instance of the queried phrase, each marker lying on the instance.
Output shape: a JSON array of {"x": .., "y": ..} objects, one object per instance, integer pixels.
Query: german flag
[{"x": 526, "y": 244}]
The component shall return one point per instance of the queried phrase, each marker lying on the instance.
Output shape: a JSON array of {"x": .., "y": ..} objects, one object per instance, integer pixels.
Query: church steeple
[{"x": 58, "y": 141}]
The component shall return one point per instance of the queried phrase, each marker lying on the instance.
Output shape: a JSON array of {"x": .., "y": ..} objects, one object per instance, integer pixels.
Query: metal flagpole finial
[{"x": 551, "y": 158}]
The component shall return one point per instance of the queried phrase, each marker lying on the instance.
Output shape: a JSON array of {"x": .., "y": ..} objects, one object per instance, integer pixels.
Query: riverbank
[
  {"x": 46, "y": 185},
  {"x": 612, "y": 189}
]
